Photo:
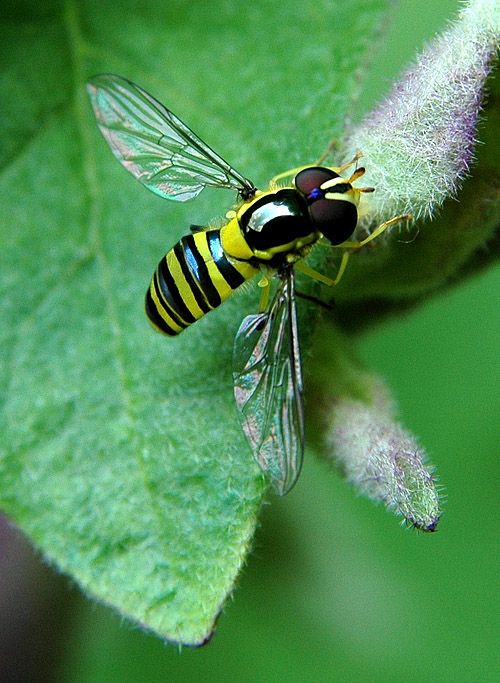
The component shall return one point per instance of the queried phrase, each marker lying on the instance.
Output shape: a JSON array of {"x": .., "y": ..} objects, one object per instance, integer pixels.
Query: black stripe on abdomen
[
  {"x": 233, "y": 278},
  {"x": 170, "y": 294},
  {"x": 196, "y": 272},
  {"x": 155, "y": 318}
]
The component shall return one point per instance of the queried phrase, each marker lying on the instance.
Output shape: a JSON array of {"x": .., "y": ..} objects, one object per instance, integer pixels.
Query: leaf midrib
[{"x": 95, "y": 212}]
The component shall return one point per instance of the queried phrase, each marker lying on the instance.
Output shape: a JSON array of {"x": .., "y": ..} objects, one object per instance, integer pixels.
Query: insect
[{"x": 269, "y": 231}]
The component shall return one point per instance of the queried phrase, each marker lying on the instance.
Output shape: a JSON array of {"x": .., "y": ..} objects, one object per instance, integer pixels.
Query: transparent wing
[
  {"x": 268, "y": 387},
  {"x": 154, "y": 145}
]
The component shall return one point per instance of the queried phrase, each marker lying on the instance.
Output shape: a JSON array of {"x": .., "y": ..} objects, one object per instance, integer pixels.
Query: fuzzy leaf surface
[{"x": 120, "y": 451}]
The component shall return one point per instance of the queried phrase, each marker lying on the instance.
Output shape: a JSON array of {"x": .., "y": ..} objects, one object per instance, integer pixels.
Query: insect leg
[
  {"x": 307, "y": 270},
  {"x": 293, "y": 171},
  {"x": 378, "y": 231},
  {"x": 353, "y": 246},
  {"x": 356, "y": 158},
  {"x": 332, "y": 145},
  {"x": 286, "y": 174},
  {"x": 342, "y": 267},
  {"x": 265, "y": 284}
]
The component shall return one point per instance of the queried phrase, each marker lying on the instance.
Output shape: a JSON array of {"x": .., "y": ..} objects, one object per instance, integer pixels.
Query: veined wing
[
  {"x": 154, "y": 145},
  {"x": 268, "y": 387}
]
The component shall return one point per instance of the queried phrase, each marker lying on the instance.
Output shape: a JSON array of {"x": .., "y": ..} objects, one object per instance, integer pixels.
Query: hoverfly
[{"x": 269, "y": 231}]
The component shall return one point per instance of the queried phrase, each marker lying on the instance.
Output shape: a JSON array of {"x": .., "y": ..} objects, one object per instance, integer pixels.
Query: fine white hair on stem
[
  {"x": 418, "y": 144},
  {"x": 383, "y": 460}
]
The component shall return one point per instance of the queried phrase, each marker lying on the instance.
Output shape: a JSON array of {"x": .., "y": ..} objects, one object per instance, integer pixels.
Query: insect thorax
[{"x": 277, "y": 227}]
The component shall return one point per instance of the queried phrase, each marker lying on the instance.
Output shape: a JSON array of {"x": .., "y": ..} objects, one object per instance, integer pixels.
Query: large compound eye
[
  {"x": 335, "y": 218},
  {"x": 311, "y": 178}
]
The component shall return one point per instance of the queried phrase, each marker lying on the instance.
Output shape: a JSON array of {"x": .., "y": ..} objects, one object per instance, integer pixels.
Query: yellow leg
[
  {"x": 378, "y": 231},
  {"x": 307, "y": 270},
  {"x": 293, "y": 171},
  {"x": 331, "y": 146},
  {"x": 342, "y": 267},
  {"x": 353, "y": 246},
  {"x": 265, "y": 284},
  {"x": 343, "y": 168},
  {"x": 286, "y": 174},
  {"x": 349, "y": 248}
]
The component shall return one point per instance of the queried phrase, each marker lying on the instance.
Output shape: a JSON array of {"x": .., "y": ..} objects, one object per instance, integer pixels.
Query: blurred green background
[{"x": 334, "y": 589}]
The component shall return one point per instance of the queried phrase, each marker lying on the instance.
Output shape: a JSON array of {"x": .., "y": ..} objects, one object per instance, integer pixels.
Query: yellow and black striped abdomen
[{"x": 192, "y": 279}]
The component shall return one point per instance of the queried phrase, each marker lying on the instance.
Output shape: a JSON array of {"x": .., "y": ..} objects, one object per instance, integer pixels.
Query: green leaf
[{"x": 121, "y": 455}]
